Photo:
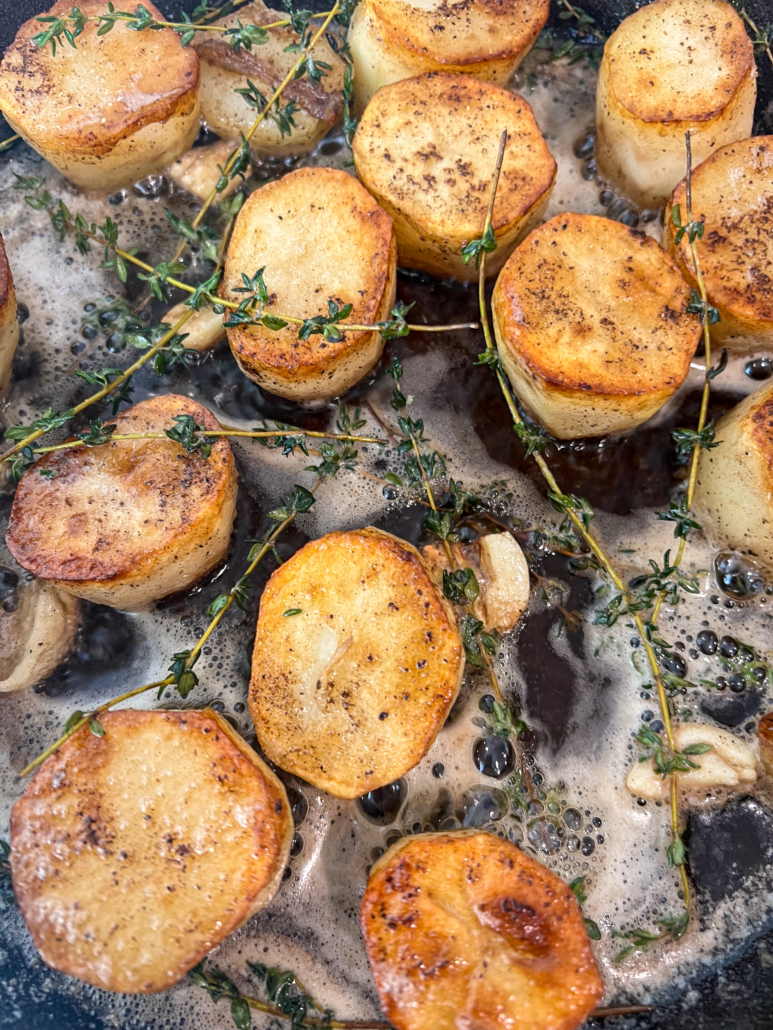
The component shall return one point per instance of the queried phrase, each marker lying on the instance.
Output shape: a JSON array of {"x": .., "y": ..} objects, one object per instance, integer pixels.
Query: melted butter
[{"x": 311, "y": 926}]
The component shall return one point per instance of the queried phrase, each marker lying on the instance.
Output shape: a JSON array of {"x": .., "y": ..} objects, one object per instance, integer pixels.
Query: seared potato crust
[
  {"x": 463, "y": 931},
  {"x": 9, "y": 323},
  {"x": 223, "y": 70},
  {"x": 426, "y": 149},
  {"x": 321, "y": 237},
  {"x": 671, "y": 66},
  {"x": 36, "y": 636},
  {"x": 131, "y": 521},
  {"x": 592, "y": 326},
  {"x": 350, "y": 692},
  {"x": 135, "y": 853},
  {"x": 734, "y": 489},
  {"x": 109, "y": 112},
  {"x": 394, "y": 39},
  {"x": 732, "y": 193}
]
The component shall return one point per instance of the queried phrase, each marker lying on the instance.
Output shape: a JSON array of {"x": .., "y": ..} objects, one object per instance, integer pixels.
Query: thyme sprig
[
  {"x": 8, "y": 143},
  {"x": 577, "y": 887},
  {"x": 580, "y": 514},
  {"x": 674, "y": 927},
  {"x": 762, "y": 38},
  {"x": 585, "y": 42}
]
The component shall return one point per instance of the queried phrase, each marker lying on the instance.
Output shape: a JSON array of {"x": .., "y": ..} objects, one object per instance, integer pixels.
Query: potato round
[
  {"x": 393, "y": 39},
  {"x": 734, "y": 490},
  {"x": 130, "y": 521},
  {"x": 223, "y": 70},
  {"x": 321, "y": 237},
  {"x": 110, "y": 111},
  {"x": 732, "y": 193},
  {"x": 426, "y": 148},
  {"x": 671, "y": 66},
  {"x": 9, "y": 322},
  {"x": 133, "y": 854},
  {"x": 592, "y": 325},
  {"x": 357, "y": 662},
  {"x": 465, "y": 930}
]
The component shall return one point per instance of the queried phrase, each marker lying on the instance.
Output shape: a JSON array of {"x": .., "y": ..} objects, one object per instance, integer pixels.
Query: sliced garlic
[{"x": 730, "y": 764}]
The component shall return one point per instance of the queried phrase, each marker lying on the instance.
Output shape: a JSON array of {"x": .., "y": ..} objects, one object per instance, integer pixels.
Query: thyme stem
[
  {"x": 9, "y": 142},
  {"x": 258, "y": 434},
  {"x": 761, "y": 39},
  {"x": 587, "y": 536}
]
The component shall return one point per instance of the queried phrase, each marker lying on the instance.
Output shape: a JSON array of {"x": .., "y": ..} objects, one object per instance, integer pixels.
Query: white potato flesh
[
  {"x": 112, "y": 110},
  {"x": 592, "y": 325},
  {"x": 732, "y": 194},
  {"x": 223, "y": 70},
  {"x": 672, "y": 66},
  {"x": 199, "y": 170},
  {"x": 9, "y": 322},
  {"x": 37, "y": 635},
  {"x": 729, "y": 764},
  {"x": 294, "y": 227},
  {"x": 734, "y": 489},
  {"x": 394, "y": 39},
  {"x": 430, "y": 167},
  {"x": 204, "y": 328},
  {"x": 131, "y": 521}
]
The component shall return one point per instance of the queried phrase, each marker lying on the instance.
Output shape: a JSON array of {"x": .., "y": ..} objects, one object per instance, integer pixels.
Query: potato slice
[
  {"x": 466, "y": 932},
  {"x": 734, "y": 489},
  {"x": 36, "y": 635},
  {"x": 108, "y": 112},
  {"x": 296, "y": 227},
  {"x": 394, "y": 39},
  {"x": 765, "y": 740},
  {"x": 135, "y": 853},
  {"x": 502, "y": 572},
  {"x": 131, "y": 521},
  {"x": 357, "y": 662},
  {"x": 430, "y": 167},
  {"x": 729, "y": 764},
  {"x": 204, "y": 329},
  {"x": 9, "y": 323},
  {"x": 223, "y": 70},
  {"x": 198, "y": 170},
  {"x": 671, "y": 66},
  {"x": 592, "y": 326},
  {"x": 732, "y": 193}
]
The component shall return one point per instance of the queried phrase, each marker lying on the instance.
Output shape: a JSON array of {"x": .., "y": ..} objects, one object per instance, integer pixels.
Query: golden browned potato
[
  {"x": 357, "y": 662},
  {"x": 464, "y": 930},
  {"x": 316, "y": 106},
  {"x": 671, "y": 66},
  {"x": 734, "y": 490},
  {"x": 394, "y": 39},
  {"x": 135, "y": 853},
  {"x": 36, "y": 633},
  {"x": 502, "y": 573},
  {"x": 129, "y": 521},
  {"x": 765, "y": 741},
  {"x": 109, "y": 111},
  {"x": 9, "y": 323},
  {"x": 321, "y": 238},
  {"x": 592, "y": 326},
  {"x": 729, "y": 764},
  {"x": 426, "y": 148},
  {"x": 198, "y": 170},
  {"x": 732, "y": 193}
]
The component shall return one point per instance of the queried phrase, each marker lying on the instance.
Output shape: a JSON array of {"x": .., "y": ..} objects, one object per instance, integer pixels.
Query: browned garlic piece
[
  {"x": 198, "y": 171},
  {"x": 729, "y": 764},
  {"x": 108, "y": 111},
  {"x": 671, "y": 66}
]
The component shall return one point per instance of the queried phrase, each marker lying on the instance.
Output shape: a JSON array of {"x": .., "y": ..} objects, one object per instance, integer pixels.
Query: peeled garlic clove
[
  {"x": 729, "y": 764},
  {"x": 204, "y": 328},
  {"x": 199, "y": 170},
  {"x": 37, "y": 636},
  {"x": 504, "y": 581}
]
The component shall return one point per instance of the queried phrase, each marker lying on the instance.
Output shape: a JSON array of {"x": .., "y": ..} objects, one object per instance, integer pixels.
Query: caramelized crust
[
  {"x": 350, "y": 691},
  {"x": 135, "y": 853},
  {"x": 142, "y": 518},
  {"x": 106, "y": 89},
  {"x": 466, "y": 932}
]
